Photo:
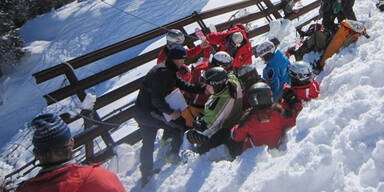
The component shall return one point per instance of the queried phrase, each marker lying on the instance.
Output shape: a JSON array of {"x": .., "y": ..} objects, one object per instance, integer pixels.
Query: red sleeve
[
  {"x": 314, "y": 90},
  {"x": 207, "y": 52},
  {"x": 217, "y": 38},
  {"x": 161, "y": 57},
  {"x": 193, "y": 52},
  {"x": 240, "y": 133}
]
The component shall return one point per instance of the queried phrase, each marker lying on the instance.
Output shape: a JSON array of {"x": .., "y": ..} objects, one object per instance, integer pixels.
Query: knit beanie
[
  {"x": 177, "y": 52},
  {"x": 50, "y": 131}
]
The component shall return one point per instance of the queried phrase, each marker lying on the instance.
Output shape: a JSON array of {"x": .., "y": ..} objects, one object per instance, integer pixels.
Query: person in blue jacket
[{"x": 275, "y": 72}]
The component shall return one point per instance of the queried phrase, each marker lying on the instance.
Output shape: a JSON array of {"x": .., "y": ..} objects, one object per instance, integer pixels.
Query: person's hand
[
  {"x": 204, "y": 44},
  {"x": 174, "y": 115}
]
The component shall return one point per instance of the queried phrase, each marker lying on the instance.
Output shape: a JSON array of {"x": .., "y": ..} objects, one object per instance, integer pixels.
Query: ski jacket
[
  {"x": 304, "y": 92},
  {"x": 241, "y": 55},
  {"x": 222, "y": 111},
  {"x": 198, "y": 100},
  {"x": 191, "y": 53},
  {"x": 263, "y": 129},
  {"x": 157, "y": 84},
  {"x": 74, "y": 177},
  {"x": 275, "y": 73}
]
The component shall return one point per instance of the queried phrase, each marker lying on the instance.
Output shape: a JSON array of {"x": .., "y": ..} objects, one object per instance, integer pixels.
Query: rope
[{"x": 142, "y": 19}]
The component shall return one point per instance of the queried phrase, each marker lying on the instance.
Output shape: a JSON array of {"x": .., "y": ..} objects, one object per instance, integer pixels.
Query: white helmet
[
  {"x": 175, "y": 36},
  {"x": 237, "y": 38},
  {"x": 221, "y": 58},
  {"x": 265, "y": 48},
  {"x": 300, "y": 71}
]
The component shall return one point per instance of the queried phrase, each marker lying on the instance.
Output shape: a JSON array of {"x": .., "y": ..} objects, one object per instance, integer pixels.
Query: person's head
[
  {"x": 52, "y": 139},
  {"x": 260, "y": 95},
  {"x": 215, "y": 78},
  {"x": 222, "y": 59},
  {"x": 247, "y": 75},
  {"x": 237, "y": 39},
  {"x": 175, "y": 37},
  {"x": 265, "y": 50},
  {"x": 300, "y": 73},
  {"x": 177, "y": 55}
]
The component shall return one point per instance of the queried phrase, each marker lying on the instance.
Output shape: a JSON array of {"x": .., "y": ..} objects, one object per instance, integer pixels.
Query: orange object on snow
[{"x": 348, "y": 33}]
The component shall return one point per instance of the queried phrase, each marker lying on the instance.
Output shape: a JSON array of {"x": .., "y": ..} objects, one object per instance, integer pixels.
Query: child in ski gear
[
  {"x": 265, "y": 122},
  {"x": 275, "y": 72},
  {"x": 222, "y": 111},
  {"x": 332, "y": 9},
  {"x": 157, "y": 84},
  {"x": 197, "y": 101},
  {"x": 317, "y": 40},
  {"x": 176, "y": 37},
  {"x": 247, "y": 75},
  {"x": 236, "y": 43},
  {"x": 53, "y": 146},
  {"x": 302, "y": 88}
]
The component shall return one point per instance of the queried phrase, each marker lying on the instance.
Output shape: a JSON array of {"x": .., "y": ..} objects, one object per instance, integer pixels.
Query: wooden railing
[{"x": 78, "y": 87}]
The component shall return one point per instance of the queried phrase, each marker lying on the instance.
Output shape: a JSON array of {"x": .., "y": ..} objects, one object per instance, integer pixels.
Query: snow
[{"x": 337, "y": 144}]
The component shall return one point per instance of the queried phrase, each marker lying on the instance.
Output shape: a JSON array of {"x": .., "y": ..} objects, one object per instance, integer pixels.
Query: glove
[
  {"x": 336, "y": 7},
  {"x": 199, "y": 125},
  {"x": 195, "y": 137},
  {"x": 289, "y": 97}
]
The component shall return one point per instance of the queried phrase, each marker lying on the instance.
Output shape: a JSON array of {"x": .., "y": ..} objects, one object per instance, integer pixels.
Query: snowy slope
[{"x": 337, "y": 144}]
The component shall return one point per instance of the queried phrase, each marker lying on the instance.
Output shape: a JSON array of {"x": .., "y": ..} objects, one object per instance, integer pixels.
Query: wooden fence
[{"x": 93, "y": 129}]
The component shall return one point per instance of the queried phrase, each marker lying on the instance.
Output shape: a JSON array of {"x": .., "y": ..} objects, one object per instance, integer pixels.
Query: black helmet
[
  {"x": 217, "y": 77},
  {"x": 260, "y": 95},
  {"x": 300, "y": 73},
  {"x": 247, "y": 75},
  {"x": 222, "y": 59}
]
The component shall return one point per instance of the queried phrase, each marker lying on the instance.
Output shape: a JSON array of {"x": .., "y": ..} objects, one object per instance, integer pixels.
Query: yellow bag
[{"x": 190, "y": 113}]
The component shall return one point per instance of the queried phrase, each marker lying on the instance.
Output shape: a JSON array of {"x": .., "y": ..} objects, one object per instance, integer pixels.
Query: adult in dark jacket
[
  {"x": 53, "y": 148},
  {"x": 340, "y": 9},
  {"x": 150, "y": 105}
]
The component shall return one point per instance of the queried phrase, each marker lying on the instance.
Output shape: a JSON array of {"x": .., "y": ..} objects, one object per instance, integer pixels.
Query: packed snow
[{"x": 336, "y": 145}]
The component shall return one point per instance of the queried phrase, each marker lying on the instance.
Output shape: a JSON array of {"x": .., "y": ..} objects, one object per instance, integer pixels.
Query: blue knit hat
[
  {"x": 50, "y": 131},
  {"x": 177, "y": 52}
]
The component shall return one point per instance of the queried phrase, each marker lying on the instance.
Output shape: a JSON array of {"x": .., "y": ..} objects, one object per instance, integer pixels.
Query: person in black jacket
[{"x": 150, "y": 105}]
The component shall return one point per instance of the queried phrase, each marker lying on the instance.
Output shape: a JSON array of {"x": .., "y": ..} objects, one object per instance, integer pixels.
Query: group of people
[{"x": 228, "y": 102}]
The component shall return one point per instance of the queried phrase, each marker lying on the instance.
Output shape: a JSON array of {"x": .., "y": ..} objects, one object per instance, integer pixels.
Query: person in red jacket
[
  {"x": 176, "y": 37},
  {"x": 303, "y": 87},
  {"x": 265, "y": 122},
  {"x": 236, "y": 43},
  {"x": 53, "y": 146}
]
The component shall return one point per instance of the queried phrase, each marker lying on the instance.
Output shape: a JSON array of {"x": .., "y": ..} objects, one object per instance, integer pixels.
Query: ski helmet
[
  {"x": 222, "y": 59},
  {"x": 300, "y": 73},
  {"x": 247, "y": 75},
  {"x": 260, "y": 95},
  {"x": 265, "y": 50},
  {"x": 237, "y": 38},
  {"x": 217, "y": 77},
  {"x": 175, "y": 36}
]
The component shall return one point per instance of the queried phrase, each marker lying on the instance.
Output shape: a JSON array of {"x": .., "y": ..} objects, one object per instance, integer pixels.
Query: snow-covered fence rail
[{"x": 77, "y": 87}]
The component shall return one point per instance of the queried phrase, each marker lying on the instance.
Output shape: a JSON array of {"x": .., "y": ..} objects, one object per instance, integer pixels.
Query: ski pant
[
  {"x": 345, "y": 13},
  {"x": 148, "y": 126},
  {"x": 221, "y": 137}
]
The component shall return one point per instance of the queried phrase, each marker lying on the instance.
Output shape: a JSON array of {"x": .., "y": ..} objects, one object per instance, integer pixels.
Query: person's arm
[
  {"x": 193, "y": 52},
  {"x": 101, "y": 179},
  {"x": 217, "y": 38},
  {"x": 180, "y": 83},
  {"x": 240, "y": 133}
]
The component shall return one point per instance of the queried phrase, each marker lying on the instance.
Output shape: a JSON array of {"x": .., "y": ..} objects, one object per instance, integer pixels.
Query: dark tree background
[{"x": 13, "y": 14}]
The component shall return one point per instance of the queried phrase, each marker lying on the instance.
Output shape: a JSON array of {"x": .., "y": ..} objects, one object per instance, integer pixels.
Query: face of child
[{"x": 210, "y": 89}]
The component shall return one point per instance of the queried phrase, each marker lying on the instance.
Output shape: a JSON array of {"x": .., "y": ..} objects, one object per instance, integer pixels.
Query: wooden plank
[{"x": 276, "y": 13}]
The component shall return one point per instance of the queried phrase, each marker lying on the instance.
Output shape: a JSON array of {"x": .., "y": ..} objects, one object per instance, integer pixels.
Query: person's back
[
  {"x": 53, "y": 146},
  {"x": 74, "y": 177},
  {"x": 276, "y": 74}
]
